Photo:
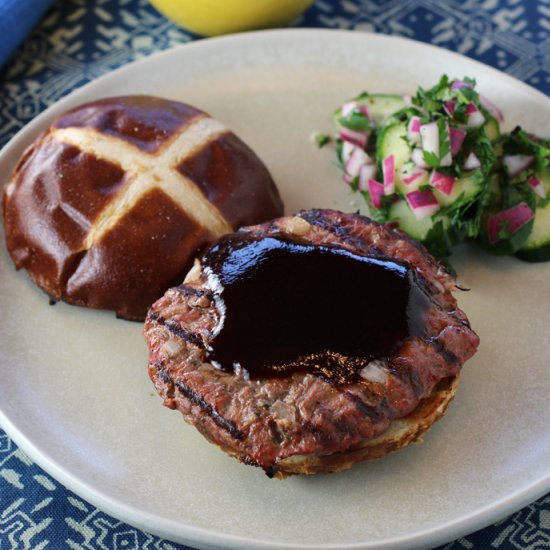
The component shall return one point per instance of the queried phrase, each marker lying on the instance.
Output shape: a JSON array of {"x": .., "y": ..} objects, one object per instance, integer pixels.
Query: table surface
[{"x": 72, "y": 44}]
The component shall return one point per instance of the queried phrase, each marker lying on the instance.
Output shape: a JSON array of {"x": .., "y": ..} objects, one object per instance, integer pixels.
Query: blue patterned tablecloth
[{"x": 77, "y": 41}]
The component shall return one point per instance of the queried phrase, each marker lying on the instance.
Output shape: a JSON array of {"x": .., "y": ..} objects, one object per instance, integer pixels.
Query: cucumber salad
[{"x": 437, "y": 166}]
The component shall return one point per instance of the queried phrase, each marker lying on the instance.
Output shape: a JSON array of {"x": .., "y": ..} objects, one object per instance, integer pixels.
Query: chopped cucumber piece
[
  {"x": 465, "y": 188},
  {"x": 537, "y": 245},
  {"x": 410, "y": 178},
  {"x": 401, "y": 213},
  {"x": 492, "y": 128},
  {"x": 380, "y": 108},
  {"x": 392, "y": 141}
]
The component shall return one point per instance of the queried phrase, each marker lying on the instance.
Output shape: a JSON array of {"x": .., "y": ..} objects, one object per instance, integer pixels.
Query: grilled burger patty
[{"x": 338, "y": 400}]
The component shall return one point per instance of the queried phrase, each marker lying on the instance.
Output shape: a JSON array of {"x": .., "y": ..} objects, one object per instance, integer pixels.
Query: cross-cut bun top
[{"x": 108, "y": 207}]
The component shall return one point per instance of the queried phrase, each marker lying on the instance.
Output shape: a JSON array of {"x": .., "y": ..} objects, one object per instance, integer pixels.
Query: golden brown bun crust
[{"x": 108, "y": 207}]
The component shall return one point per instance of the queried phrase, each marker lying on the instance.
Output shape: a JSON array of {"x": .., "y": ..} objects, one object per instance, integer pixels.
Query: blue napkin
[{"x": 17, "y": 19}]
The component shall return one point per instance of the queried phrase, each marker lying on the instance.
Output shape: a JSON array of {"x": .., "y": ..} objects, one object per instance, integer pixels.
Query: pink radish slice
[
  {"x": 442, "y": 182},
  {"x": 347, "y": 150},
  {"x": 347, "y": 179},
  {"x": 430, "y": 137},
  {"x": 376, "y": 191},
  {"x": 413, "y": 175},
  {"x": 388, "y": 174},
  {"x": 475, "y": 116},
  {"x": 460, "y": 84},
  {"x": 422, "y": 203},
  {"x": 367, "y": 172},
  {"x": 407, "y": 100},
  {"x": 517, "y": 216},
  {"x": 491, "y": 107},
  {"x": 357, "y": 159},
  {"x": 472, "y": 162},
  {"x": 449, "y": 107},
  {"x": 516, "y": 163},
  {"x": 356, "y": 138},
  {"x": 537, "y": 186},
  {"x": 348, "y": 107},
  {"x": 413, "y": 130},
  {"x": 456, "y": 136}
]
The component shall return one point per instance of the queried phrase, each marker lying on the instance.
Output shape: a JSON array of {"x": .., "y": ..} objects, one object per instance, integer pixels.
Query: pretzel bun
[{"x": 108, "y": 207}]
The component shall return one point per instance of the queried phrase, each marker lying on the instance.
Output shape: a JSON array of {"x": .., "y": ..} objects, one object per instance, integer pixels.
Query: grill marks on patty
[
  {"x": 176, "y": 329},
  {"x": 364, "y": 236},
  {"x": 219, "y": 420},
  {"x": 194, "y": 398},
  {"x": 264, "y": 422}
]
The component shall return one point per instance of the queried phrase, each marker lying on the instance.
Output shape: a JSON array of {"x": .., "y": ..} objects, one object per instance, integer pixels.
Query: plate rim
[{"x": 197, "y": 536}]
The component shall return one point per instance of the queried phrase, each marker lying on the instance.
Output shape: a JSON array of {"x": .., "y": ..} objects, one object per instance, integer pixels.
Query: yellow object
[{"x": 213, "y": 17}]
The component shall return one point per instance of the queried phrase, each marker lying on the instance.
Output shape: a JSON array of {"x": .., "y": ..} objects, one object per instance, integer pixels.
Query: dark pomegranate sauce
[{"x": 289, "y": 306}]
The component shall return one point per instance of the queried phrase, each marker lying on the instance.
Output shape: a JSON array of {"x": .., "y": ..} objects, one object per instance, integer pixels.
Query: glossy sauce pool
[{"x": 289, "y": 306}]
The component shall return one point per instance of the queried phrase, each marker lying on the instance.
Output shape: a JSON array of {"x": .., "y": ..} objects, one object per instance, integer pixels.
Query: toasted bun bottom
[{"x": 401, "y": 433}]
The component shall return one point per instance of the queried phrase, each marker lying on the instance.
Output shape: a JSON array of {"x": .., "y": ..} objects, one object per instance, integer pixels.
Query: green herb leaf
[
  {"x": 356, "y": 120},
  {"x": 444, "y": 139},
  {"x": 431, "y": 159},
  {"x": 321, "y": 139}
]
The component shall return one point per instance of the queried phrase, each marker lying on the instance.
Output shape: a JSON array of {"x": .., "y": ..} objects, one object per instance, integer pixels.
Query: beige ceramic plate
[{"x": 75, "y": 393}]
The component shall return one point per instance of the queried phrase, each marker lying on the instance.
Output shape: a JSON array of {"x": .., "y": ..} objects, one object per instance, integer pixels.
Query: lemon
[{"x": 212, "y": 17}]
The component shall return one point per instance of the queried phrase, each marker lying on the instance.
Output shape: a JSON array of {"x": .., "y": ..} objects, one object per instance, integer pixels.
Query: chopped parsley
[{"x": 462, "y": 166}]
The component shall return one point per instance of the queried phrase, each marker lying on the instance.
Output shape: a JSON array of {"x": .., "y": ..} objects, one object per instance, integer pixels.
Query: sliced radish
[
  {"x": 413, "y": 130},
  {"x": 356, "y": 138},
  {"x": 417, "y": 157},
  {"x": 348, "y": 107},
  {"x": 367, "y": 172},
  {"x": 347, "y": 178},
  {"x": 376, "y": 191},
  {"x": 442, "y": 182},
  {"x": 347, "y": 150},
  {"x": 517, "y": 163},
  {"x": 388, "y": 174},
  {"x": 422, "y": 203},
  {"x": 357, "y": 159},
  {"x": 537, "y": 186},
  {"x": 491, "y": 107},
  {"x": 515, "y": 217},
  {"x": 413, "y": 176},
  {"x": 407, "y": 100},
  {"x": 475, "y": 116},
  {"x": 430, "y": 137},
  {"x": 472, "y": 162},
  {"x": 449, "y": 107},
  {"x": 460, "y": 84},
  {"x": 456, "y": 136}
]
